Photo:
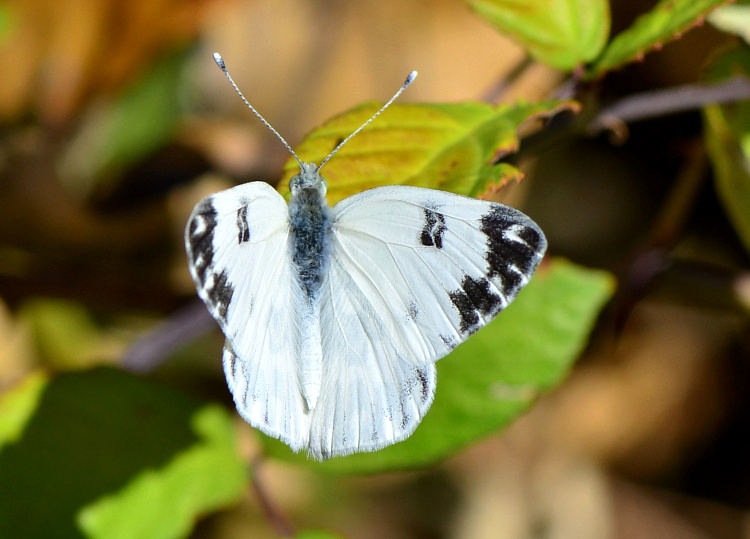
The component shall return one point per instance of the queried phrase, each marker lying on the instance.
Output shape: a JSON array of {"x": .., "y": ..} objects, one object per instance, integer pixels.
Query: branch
[
  {"x": 185, "y": 325},
  {"x": 658, "y": 103},
  {"x": 279, "y": 522}
]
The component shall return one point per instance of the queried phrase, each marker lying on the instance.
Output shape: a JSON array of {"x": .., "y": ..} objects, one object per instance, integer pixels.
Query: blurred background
[{"x": 115, "y": 121}]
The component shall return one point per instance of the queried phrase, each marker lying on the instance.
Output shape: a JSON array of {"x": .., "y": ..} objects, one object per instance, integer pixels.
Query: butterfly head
[{"x": 308, "y": 178}]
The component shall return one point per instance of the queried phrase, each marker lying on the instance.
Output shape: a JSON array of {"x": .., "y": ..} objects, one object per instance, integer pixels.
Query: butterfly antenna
[
  {"x": 407, "y": 82},
  {"x": 220, "y": 62}
]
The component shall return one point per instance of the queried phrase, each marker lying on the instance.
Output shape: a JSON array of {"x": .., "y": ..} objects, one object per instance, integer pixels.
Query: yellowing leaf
[{"x": 452, "y": 147}]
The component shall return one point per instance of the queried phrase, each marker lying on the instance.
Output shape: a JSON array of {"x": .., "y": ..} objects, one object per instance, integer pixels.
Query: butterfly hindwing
[
  {"x": 412, "y": 273},
  {"x": 237, "y": 245}
]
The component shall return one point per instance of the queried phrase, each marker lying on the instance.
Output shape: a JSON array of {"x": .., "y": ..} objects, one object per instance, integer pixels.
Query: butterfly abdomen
[{"x": 310, "y": 225}]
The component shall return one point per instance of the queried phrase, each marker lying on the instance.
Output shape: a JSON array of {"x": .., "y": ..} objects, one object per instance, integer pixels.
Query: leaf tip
[{"x": 494, "y": 188}]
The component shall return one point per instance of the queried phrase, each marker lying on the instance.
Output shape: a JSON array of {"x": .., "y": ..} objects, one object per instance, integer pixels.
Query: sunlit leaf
[
  {"x": 495, "y": 375},
  {"x": 443, "y": 146},
  {"x": 101, "y": 453},
  {"x": 17, "y": 407},
  {"x": 561, "y": 33},
  {"x": 667, "y": 21},
  {"x": 728, "y": 143}
]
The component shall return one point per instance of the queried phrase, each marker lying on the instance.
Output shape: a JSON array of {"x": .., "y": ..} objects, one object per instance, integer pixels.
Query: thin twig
[
  {"x": 652, "y": 261},
  {"x": 154, "y": 347},
  {"x": 494, "y": 94},
  {"x": 658, "y": 103},
  {"x": 274, "y": 516},
  {"x": 679, "y": 203}
]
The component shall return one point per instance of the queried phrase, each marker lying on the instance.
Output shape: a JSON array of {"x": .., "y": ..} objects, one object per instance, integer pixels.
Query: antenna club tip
[
  {"x": 410, "y": 78},
  {"x": 219, "y": 61}
]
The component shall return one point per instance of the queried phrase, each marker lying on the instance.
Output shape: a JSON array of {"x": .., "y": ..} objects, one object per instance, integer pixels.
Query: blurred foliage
[
  {"x": 110, "y": 452},
  {"x": 728, "y": 144},
  {"x": 733, "y": 18},
  {"x": 135, "y": 124},
  {"x": 114, "y": 122}
]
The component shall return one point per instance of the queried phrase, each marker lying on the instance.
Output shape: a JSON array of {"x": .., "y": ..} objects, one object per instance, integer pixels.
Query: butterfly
[{"x": 334, "y": 317}]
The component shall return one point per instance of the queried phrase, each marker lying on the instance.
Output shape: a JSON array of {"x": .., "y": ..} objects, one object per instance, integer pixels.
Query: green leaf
[
  {"x": 495, "y": 375},
  {"x": 733, "y": 18},
  {"x": 16, "y": 407},
  {"x": 126, "y": 130},
  {"x": 443, "y": 146},
  {"x": 666, "y": 22},
  {"x": 561, "y": 33},
  {"x": 728, "y": 143},
  {"x": 102, "y": 453}
]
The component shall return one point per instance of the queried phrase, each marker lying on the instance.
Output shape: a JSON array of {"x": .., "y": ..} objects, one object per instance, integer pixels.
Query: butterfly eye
[
  {"x": 308, "y": 178},
  {"x": 323, "y": 185},
  {"x": 294, "y": 185}
]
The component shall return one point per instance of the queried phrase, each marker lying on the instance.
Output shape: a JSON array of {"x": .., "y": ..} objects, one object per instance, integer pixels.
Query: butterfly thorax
[{"x": 309, "y": 218}]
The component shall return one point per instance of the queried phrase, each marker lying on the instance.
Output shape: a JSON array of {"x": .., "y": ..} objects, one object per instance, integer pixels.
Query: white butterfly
[{"x": 334, "y": 317}]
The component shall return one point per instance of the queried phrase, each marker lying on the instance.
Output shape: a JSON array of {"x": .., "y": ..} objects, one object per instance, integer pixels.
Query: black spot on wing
[
  {"x": 232, "y": 365},
  {"x": 514, "y": 248},
  {"x": 473, "y": 299},
  {"x": 221, "y": 293},
  {"x": 532, "y": 237},
  {"x": 448, "y": 340},
  {"x": 433, "y": 229},
  {"x": 413, "y": 312},
  {"x": 201, "y": 238},
  {"x": 469, "y": 316},
  {"x": 405, "y": 417},
  {"x": 424, "y": 385},
  {"x": 243, "y": 230}
]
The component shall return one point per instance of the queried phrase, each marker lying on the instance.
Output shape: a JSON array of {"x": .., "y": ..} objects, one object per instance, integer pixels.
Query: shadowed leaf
[{"x": 101, "y": 453}]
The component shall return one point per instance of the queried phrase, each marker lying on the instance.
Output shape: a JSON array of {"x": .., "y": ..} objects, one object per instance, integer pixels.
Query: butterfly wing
[
  {"x": 412, "y": 273},
  {"x": 237, "y": 246}
]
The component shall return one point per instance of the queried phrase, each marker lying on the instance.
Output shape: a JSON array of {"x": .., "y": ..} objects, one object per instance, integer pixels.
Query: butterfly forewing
[
  {"x": 412, "y": 273},
  {"x": 439, "y": 265},
  {"x": 237, "y": 245}
]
